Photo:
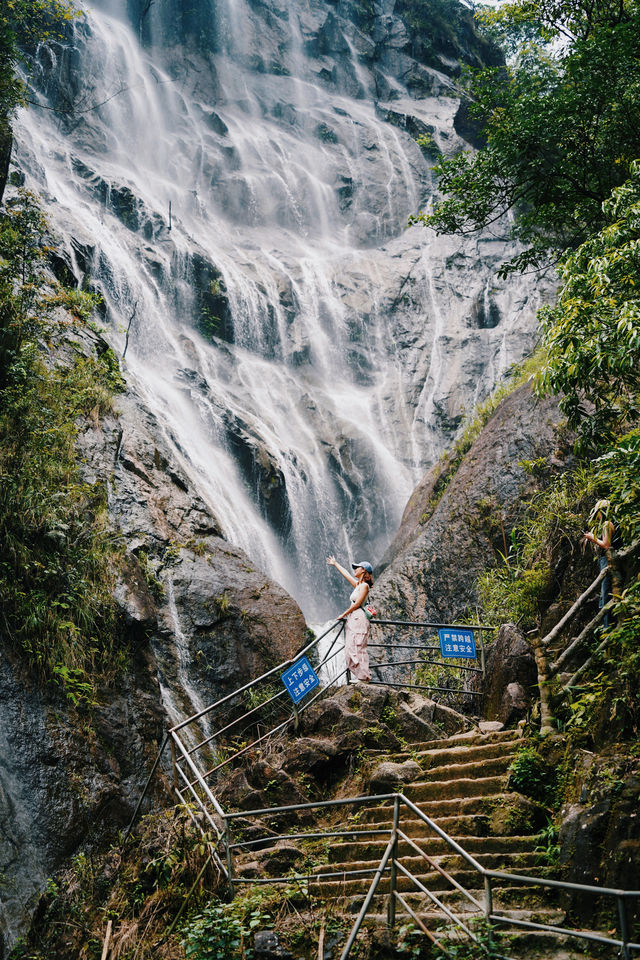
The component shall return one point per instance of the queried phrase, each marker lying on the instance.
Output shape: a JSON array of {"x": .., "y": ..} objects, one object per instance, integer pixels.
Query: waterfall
[{"x": 307, "y": 354}]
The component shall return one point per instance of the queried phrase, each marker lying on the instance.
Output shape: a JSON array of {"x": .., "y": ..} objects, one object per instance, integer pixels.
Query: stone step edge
[
  {"x": 346, "y": 865},
  {"x": 474, "y": 738},
  {"x": 435, "y": 773},
  {"x": 424, "y": 805}
]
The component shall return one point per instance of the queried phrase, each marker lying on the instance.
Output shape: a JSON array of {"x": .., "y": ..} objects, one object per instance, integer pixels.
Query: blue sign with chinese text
[
  {"x": 300, "y": 679},
  {"x": 457, "y": 643}
]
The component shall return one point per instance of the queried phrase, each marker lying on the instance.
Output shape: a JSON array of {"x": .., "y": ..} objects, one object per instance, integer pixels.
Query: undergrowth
[
  {"x": 517, "y": 588},
  {"x": 57, "y": 556},
  {"x": 139, "y": 886}
]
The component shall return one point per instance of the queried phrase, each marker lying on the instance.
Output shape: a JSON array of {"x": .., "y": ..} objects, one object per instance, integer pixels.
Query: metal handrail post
[
  {"x": 367, "y": 902},
  {"x": 391, "y": 912},
  {"x": 483, "y": 664},
  {"x": 252, "y": 683},
  {"x": 174, "y": 762},
  {"x": 624, "y": 928},
  {"x": 227, "y": 835},
  {"x": 198, "y": 776},
  {"x": 488, "y": 905}
]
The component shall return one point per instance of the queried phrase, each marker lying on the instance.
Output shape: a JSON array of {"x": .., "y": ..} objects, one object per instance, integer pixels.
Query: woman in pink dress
[{"x": 357, "y": 627}]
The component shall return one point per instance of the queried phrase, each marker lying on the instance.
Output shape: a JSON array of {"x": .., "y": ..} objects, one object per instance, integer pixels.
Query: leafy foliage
[
  {"x": 224, "y": 931},
  {"x": 57, "y": 559},
  {"x": 516, "y": 589},
  {"x": 23, "y": 23},
  {"x": 611, "y": 697},
  {"x": 139, "y": 884},
  {"x": 592, "y": 337},
  {"x": 562, "y": 126},
  {"x": 618, "y": 472},
  {"x": 531, "y": 775}
]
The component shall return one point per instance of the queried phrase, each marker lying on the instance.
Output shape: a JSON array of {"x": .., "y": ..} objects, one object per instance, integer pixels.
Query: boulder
[
  {"x": 389, "y": 777},
  {"x": 511, "y": 677},
  {"x": 277, "y": 861},
  {"x": 309, "y": 755},
  {"x": 516, "y": 815},
  {"x": 452, "y": 527},
  {"x": 268, "y": 947},
  {"x": 600, "y": 834}
]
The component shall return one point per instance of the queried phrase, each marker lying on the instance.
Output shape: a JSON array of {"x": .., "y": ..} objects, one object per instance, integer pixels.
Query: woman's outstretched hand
[{"x": 331, "y": 561}]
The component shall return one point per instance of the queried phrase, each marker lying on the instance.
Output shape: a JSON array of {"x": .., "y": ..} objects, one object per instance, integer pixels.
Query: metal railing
[
  {"x": 479, "y": 900},
  {"x": 448, "y": 667},
  {"x": 260, "y": 712},
  {"x": 192, "y": 787},
  {"x": 548, "y": 671}
]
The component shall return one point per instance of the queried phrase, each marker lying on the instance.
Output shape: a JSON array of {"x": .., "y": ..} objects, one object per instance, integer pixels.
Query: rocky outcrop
[
  {"x": 333, "y": 733},
  {"x": 599, "y": 835},
  {"x": 447, "y": 539},
  {"x": 69, "y": 778},
  {"x": 510, "y": 686},
  {"x": 239, "y": 196},
  {"x": 197, "y": 617}
]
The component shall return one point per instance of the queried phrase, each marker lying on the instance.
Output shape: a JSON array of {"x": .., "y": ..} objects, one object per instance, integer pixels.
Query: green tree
[
  {"x": 591, "y": 338},
  {"x": 23, "y": 23},
  {"x": 562, "y": 126}
]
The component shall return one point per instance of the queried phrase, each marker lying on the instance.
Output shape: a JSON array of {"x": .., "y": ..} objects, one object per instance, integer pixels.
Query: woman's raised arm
[{"x": 345, "y": 573}]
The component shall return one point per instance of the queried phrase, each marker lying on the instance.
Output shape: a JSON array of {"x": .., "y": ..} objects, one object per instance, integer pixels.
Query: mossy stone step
[
  {"x": 458, "y": 789},
  {"x": 515, "y": 861},
  {"x": 471, "y": 739},
  {"x": 456, "y": 806},
  {"x": 485, "y": 751},
  {"x": 341, "y": 885},
  {"x": 459, "y": 771},
  {"x": 433, "y": 845},
  {"x": 504, "y": 898}
]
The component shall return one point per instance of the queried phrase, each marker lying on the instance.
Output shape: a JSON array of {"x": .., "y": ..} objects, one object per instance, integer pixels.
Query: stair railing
[
  {"x": 431, "y": 648},
  {"x": 263, "y": 710},
  {"x": 391, "y": 865},
  {"x": 548, "y": 671}
]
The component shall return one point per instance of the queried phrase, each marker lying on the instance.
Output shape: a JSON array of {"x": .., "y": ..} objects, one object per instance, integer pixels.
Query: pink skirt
[{"x": 356, "y": 637}]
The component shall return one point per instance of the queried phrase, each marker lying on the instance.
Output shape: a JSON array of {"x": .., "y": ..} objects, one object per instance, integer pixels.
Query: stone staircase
[{"x": 464, "y": 781}]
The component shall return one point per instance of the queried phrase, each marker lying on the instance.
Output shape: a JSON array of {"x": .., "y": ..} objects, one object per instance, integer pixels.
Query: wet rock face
[
  {"x": 212, "y": 617},
  {"x": 67, "y": 778}
]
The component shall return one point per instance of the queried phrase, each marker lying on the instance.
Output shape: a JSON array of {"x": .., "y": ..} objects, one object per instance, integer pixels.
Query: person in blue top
[{"x": 357, "y": 629}]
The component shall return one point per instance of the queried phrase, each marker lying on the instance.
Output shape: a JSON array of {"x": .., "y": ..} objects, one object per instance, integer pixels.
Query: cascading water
[{"x": 307, "y": 355}]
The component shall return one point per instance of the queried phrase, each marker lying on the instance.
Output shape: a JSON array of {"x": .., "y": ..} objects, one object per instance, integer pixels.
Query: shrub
[
  {"x": 224, "y": 931},
  {"x": 531, "y": 775}
]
